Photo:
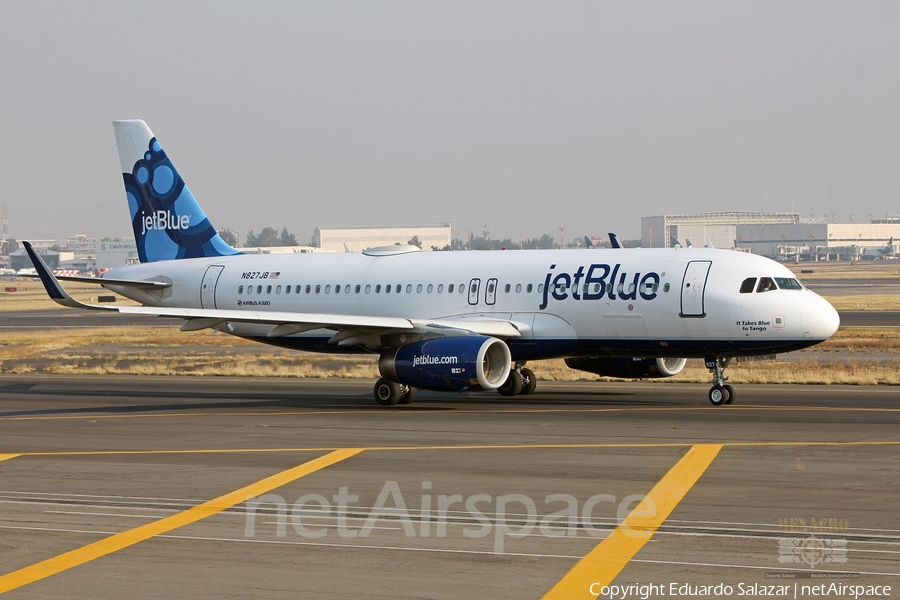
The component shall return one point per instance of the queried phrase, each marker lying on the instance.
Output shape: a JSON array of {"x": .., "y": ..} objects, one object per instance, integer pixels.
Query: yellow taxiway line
[
  {"x": 601, "y": 565},
  {"x": 8, "y": 456},
  {"x": 117, "y": 542}
]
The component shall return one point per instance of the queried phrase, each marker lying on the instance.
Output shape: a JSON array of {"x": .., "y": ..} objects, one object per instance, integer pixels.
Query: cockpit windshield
[
  {"x": 765, "y": 285},
  {"x": 768, "y": 284},
  {"x": 788, "y": 283}
]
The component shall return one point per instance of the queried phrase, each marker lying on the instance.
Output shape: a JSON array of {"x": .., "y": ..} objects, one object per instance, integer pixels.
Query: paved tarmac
[{"x": 498, "y": 497}]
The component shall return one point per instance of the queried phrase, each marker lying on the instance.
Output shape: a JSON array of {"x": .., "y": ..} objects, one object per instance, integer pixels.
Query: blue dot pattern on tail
[{"x": 168, "y": 223}]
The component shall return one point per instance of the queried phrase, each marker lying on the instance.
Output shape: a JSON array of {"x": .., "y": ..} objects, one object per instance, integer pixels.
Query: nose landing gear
[{"x": 720, "y": 393}]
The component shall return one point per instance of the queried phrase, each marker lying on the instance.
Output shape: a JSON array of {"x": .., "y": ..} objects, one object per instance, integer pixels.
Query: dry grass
[
  {"x": 846, "y": 270},
  {"x": 30, "y": 295},
  {"x": 865, "y": 302},
  {"x": 165, "y": 351}
]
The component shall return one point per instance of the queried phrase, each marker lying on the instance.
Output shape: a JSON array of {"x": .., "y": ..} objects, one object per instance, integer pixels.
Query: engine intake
[
  {"x": 449, "y": 364},
  {"x": 629, "y": 368}
]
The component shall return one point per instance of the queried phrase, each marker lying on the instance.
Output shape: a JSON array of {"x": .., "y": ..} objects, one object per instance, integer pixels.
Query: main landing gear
[
  {"x": 720, "y": 393},
  {"x": 388, "y": 393},
  {"x": 521, "y": 382}
]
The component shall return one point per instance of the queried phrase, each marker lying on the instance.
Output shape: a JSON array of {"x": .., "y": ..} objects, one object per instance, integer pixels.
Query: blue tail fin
[{"x": 168, "y": 223}]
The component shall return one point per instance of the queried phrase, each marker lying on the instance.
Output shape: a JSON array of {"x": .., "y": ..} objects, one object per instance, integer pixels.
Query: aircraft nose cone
[{"x": 818, "y": 319}]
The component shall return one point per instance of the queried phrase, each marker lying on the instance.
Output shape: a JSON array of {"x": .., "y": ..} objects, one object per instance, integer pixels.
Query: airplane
[
  {"x": 453, "y": 321},
  {"x": 888, "y": 251}
]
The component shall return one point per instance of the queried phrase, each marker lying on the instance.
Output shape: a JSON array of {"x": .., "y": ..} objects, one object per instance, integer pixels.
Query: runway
[{"x": 136, "y": 486}]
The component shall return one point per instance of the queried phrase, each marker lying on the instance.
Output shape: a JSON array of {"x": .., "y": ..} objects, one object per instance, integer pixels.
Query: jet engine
[
  {"x": 449, "y": 364},
  {"x": 629, "y": 368}
]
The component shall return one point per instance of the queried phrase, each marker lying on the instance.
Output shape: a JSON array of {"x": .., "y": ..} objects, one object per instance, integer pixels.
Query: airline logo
[
  {"x": 162, "y": 220},
  {"x": 426, "y": 359},
  {"x": 596, "y": 281}
]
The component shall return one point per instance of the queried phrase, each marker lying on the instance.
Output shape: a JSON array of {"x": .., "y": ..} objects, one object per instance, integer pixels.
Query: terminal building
[
  {"x": 358, "y": 239},
  {"x": 782, "y": 236}
]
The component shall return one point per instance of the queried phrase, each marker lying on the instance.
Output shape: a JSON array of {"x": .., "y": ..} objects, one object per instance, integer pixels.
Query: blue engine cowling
[
  {"x": 449, "y": 364},
  {"x": 628, "y": 368}
]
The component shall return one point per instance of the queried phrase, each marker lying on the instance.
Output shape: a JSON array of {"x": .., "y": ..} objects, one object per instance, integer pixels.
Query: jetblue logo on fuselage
[
  {"x": 162, "y": 220},
  {"x": 596, "y": 281}
]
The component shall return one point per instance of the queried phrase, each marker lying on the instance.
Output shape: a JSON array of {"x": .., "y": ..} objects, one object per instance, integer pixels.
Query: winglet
[
  {"x": 614, "y": 241},
  {"x": 51, "y": 283}
]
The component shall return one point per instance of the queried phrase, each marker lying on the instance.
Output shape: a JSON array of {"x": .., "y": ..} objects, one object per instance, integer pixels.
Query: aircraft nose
[{"x": 818, "y": 319}]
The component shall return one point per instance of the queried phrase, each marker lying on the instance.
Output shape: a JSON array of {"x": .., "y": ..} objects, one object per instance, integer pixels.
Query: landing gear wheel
[
  {"x": 718, "y": 395},
  {"x": 408, "y": 394},
  {"x": 513, "y": 385},
  {"x": 530, "y": 382},
  {"x": 387, "y": 393},
  {"x": 730, "y": 391}
]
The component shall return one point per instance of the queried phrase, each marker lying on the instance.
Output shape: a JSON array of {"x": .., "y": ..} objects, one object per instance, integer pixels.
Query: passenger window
[
  {"x": 765, "y": 285},
  {"x": 240, "y": 289},
  {"x": 327, "y": 289},
  {"x": 506, "y": 288},
  {"x": 378, "y": 289},
  {"x": 318, "y": 288},
  {"x": 788, "y": 283},
  {"x": 430, "y": 288},
  {"x": 540, "y": 288},
  {"x": 408, "y": 288},
  {"x": 337, "y": 289},
  {"x": 666, "y": 287},
  {"x": 518, "y": 288},
  {"x": 529, "y": 288},
  {"x": 307, "y": 289},
  {"x": 450, "y": 288},
  {"x": 249, "y": 289},
  {"x": 748, "y": 285},
  {"x": 278, "y": 289},
  {"x": 268, "y": 289},
  {"x": 440, "y": 288},
  {"x": 259, "y": 289},
  {"x": 357, "y": 288},
  {"x": 368, "y": 288},
  {"x": 287, "y": 289}
]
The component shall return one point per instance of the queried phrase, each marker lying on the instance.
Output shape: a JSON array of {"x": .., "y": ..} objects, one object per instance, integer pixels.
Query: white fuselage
[{"x": 634, "y": 302}]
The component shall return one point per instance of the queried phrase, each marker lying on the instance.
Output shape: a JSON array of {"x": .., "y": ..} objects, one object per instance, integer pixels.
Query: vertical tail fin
[{"x": 167, "y": 221}]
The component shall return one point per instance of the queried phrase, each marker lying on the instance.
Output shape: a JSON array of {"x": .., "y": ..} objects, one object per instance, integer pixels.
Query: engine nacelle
[
  {"x": 629, "y": 368},
  {"x": 449, "y": 364}
]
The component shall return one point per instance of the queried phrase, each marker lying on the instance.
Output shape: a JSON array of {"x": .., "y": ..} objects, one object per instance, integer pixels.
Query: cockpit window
[
  {"x": 748, "y": 285},
  {"x": 788, "y": 283},
  {"x": 766, "y": 285}
]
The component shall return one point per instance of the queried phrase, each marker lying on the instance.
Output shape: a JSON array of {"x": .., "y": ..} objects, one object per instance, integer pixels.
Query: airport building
[
  {"x": 362, "y": 238},
  {"x": 820, "y": 241},
  {"x": 719, "y": 227},
  {"x": 782, "y": 236}
]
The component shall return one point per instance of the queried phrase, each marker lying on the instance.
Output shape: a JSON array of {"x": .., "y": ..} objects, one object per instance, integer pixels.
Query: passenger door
[
  {"x": 693, "y": 287},
  {"x": 208, "y": 287}
]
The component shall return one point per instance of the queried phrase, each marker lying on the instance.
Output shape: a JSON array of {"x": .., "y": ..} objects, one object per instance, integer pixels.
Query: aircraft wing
[{"x": 286, "y": 323}]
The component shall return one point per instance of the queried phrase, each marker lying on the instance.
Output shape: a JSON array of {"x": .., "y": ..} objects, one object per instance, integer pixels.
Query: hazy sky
[{"x": 512, "y": 113}]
